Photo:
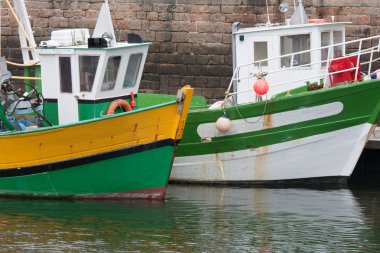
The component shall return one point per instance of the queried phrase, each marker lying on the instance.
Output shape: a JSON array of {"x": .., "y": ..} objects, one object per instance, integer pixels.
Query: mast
[{"x": 27, "y": 41}]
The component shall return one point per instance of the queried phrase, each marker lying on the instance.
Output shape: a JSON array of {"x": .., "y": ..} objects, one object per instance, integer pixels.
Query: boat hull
[
  {"x": 308, "y": 160},
  {"x": 127, "y": 155},
  {"x": 113, "y": 175},
  {"x": 313, "y": 137}
]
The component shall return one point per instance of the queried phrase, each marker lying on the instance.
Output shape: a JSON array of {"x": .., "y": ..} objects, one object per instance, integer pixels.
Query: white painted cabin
[
  {"x": 270, "y": 42},
  {"x": 79, "y": 80},
  {"x": 77, "y": 74}
]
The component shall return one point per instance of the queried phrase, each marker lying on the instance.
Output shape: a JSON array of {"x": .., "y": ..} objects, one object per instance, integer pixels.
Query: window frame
[
  {"x": 136, "y": 73},
  {"x": 289, "y": 65}
]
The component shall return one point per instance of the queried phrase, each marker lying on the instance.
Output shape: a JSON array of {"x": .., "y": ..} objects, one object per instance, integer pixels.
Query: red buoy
[{"x": 261, "y": 87}]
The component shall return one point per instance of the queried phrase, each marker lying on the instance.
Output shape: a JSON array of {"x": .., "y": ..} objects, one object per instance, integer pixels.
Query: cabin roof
[
  {"x": 285, "y": 27},
  {"x": 119, "y": 45}
]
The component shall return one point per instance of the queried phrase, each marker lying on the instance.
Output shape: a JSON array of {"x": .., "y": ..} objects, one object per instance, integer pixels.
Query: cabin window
[
  {"x": 132, "y": 70},
  {"x": 260, "y": 52},
  {"x": 293, "y": 44},
  {"x": 87, "y": 70},
  {"x": 338, "y": 38},
  {"x": 329, "y": 38},
  {"x": 325, "y": 41},
  {"x": 110, "y": 74},
  {"x": 65, "y": 74}
]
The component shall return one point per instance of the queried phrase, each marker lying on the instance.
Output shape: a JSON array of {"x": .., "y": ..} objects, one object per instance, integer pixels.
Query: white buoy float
[{"x": 223, "y": 124}]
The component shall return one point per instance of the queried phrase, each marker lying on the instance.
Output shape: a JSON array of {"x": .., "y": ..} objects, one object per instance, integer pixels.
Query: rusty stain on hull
[
  {"x": 219, "y": 165},
  {"x": 261, "y": 153}
]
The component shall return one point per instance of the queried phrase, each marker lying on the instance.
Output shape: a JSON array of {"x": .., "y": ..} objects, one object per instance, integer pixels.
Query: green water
[{"x": 199, "y": 219}]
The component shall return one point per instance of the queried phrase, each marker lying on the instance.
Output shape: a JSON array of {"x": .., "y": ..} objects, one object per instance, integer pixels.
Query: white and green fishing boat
[{"x": 310, "y": 126}]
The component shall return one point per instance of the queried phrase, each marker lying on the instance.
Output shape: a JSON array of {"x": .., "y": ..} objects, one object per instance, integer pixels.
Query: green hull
[
  {"x": 121, "y": 174},
  {"x": 361, "y": 104}
]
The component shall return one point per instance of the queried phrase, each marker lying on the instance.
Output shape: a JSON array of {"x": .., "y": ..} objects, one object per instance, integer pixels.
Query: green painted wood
[
  {"x": 121, "y": 174},
  {"x": 361, "y": 105},
  {"x": 92, "y": 111},
  {"x": 146, "y": 100},
  {"x": 51, "y": 112}
]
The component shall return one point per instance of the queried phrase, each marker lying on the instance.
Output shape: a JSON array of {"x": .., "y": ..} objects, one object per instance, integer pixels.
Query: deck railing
[{"x": 257, "y": 66}]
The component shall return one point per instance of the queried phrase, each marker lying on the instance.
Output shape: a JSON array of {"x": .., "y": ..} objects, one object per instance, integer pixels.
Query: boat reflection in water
[{"x": 199, "y": 219}]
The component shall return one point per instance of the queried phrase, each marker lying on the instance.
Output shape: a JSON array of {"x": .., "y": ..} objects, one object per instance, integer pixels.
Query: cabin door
[
  {"x": 67, "y": 102},
  {"x": 252, "y": 49}
]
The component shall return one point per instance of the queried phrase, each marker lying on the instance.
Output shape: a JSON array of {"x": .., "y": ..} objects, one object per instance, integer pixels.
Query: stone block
[
  {"x": 188, "y": 59},
  {"x": 187, "y": 80},
  {"x": 227, "y": 38},
  {"x": 165, "y": 69},
  {"x": 212, "y": 82},
  {"x": 184, "y": 48},
  {"x": 194, "y": 70},
  {"x": 214, "y": 38},
  {"x": 157, "y": 25},
  {"x": 165, "y": 16},
  {"x": 141, "y": 15},
  {"x": 181, "y": 16},
  {"x": 58, "y": 22},
  {"x": 221, "y": 27},
  {"x": 227, "y": 9},
  {"x": 205, "y": 27},
  {"x": 202, "y": 59},
  {"x": 153, "y": 16},
  {"x": 163, "y": 36},
  {"x": 134, "y": 24},
  {"x": 224, "y": 70},
  {"x": 212, "y": 48},
  {"x": 150, "y": 67},
  {"x": 166, "y": 47},
  {"x": 40, "y": 22},
  {"x": 217, "y": 17},
  {"x": 200, "y": 17},
  {"x": 215, "y": 59},
  {"x": 179, "y": 36},
  {"x": 209, "y": 70},
  {"x": 196, "y": 38}
]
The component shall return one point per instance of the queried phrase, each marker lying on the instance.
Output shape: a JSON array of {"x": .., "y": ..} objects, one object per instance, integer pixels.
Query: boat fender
[
  {"x": 118, "y": 103},
  {"x": 223, "y": 124},
  {"x": 261, "y": 87}
]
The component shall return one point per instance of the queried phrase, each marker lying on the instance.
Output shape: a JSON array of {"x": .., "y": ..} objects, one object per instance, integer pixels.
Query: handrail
[{"x": 325, "y": 74}]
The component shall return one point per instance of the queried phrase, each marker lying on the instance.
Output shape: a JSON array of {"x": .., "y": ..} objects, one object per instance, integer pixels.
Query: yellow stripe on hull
[{"x": 53, "y": 144}]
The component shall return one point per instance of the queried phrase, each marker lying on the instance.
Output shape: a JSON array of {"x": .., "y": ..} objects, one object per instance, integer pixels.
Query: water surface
[{"x": 200, "y": 219}]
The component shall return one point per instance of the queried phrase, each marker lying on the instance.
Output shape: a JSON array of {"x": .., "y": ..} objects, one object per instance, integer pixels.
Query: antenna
[
  {"x": 299, "y": 16},
  {"x": 268, "y": 22},
  {"x": 284, "y": 7}
]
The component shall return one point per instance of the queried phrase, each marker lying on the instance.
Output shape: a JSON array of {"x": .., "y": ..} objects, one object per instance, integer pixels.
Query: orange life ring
[{"x": 118, "y": 103}]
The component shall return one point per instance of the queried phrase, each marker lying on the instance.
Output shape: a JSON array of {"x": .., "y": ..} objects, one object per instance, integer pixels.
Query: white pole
[{"x": 268, "y": 13}]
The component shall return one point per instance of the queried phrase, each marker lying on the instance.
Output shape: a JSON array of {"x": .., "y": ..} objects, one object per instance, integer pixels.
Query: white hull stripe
[{"x": 240, "y": 126}]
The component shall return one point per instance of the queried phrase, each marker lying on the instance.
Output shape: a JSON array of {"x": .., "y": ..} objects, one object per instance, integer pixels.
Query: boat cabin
[
  {"x": 78, "y": 81},
  {"x": 82, "y": 75},
  {"x": 273, "y": 41}
]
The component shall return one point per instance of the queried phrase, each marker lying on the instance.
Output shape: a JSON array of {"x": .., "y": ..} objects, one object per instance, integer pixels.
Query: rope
[
  {"x": 25, "y": 78},
  {"x": 252, "y": 122},
  {"x": 21, "y": 64}
]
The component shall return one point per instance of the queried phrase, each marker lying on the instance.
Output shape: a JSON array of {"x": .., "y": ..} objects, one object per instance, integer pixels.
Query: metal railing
[{"x": 324, "y": 71}]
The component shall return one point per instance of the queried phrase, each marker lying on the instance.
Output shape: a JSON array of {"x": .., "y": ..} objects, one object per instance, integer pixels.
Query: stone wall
[{"x": 191, "y": 39}]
